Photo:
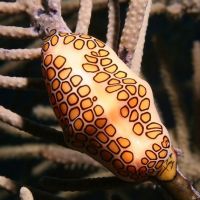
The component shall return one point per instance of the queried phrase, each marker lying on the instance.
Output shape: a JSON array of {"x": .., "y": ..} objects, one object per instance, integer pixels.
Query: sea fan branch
[
  {"x": 51, "y": 19},
  {"x": 174, "y": 97},
  {"x": 33, "y": 128},
  {"x": 132, "y": 36},
  {"x": 181, "y": 124},
  {"x": 21, "y": 83},
  {"x": 84, "y": 16},
  {"x": 113, "y": 24},
  {"x": 12, "y": 131},
  {"x": 25, "y": 194},
  {"x": 174, "y": 187},
  {"x": 20, "y": 54},
  {"x": 44, "y": 113},
  {"x": 137, "y": 56},
  {"x": 17, "y": 32},
  {"x": 11, "y": 8},
  {"x": 14, "y": 188},
  {"x": 17, "y": 65},
  {"x": 50, "y": 152}
]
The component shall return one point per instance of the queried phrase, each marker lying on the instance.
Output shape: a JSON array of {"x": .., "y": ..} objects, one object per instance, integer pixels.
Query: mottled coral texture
[{"x": 31, "y": 139}]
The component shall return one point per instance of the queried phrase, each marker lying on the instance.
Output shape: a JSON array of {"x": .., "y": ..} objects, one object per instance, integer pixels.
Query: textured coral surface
[{"x": 170, "y": 64}]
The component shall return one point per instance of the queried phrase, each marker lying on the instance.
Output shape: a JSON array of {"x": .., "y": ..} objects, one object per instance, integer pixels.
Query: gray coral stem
[
  {"x": 113, "y": 24},
  {"x": 11, "y": 8},
  {"x": 33, "y": 128},
  {"x": 46, "y": 20},
  {"x": 138, "y": 53},
  {"x": 175, "y": 9},
  {"x": 20, "y": 54},
  {"x": 14, "y": 187},
  {"x": 17, "y": 65},
  {"x": 21, "y": 83},
  {"x": 84, "y": 16},
  {"x": 132, "y": 30},
  {"x": 50, "y": 152},
  {"x": 179, "y": 187},
  {"x": 17, "y": 32},
  {"x": 25, "y": 194}
]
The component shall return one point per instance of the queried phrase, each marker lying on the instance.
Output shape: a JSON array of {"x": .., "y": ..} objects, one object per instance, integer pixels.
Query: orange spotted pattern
[
  {"x": 117, "y": 81},
  {"x": 86, "y": 124}
]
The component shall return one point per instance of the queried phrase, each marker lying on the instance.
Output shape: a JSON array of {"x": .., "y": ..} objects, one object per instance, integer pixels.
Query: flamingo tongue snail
[{"x": 105, "y": 110}]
